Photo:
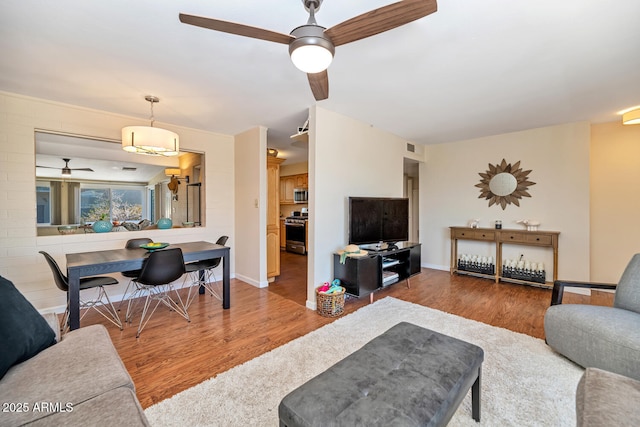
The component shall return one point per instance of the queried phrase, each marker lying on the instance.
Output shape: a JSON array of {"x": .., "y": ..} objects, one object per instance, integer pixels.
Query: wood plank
[{"x": 172, "y": 355}]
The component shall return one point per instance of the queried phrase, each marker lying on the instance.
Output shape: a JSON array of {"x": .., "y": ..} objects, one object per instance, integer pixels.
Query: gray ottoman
[{"x": 407, "y": 376}]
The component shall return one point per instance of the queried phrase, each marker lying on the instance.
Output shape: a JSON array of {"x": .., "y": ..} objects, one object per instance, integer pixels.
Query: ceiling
[
  {"x": 472, "y": 69},
  {"x": 109, "y": 163}
]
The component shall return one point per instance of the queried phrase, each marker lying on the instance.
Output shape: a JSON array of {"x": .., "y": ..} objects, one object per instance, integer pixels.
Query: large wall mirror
[
  {"x": 503, "y": 184},
  {"x": 80, "y": 180}
]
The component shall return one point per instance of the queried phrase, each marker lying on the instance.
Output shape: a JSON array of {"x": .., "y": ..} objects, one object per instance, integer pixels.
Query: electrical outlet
[{"x": 256, "y": 203}]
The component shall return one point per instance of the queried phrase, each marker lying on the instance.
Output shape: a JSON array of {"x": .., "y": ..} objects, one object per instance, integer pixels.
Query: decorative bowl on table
[
  {"x": 188, "y": 224},
  {"x": 154, "y": 246},
  {"x": 164, "y": 223},
  {"x": 102, "y": 226},
  {"x": 67, "y": 229}
]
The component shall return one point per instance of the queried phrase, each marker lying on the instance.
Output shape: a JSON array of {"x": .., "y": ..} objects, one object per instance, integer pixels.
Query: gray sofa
[
  {"x": 607, "y": 338},
  {"x": 77, "y": 381},
  {"x": 607, "y": 399}
]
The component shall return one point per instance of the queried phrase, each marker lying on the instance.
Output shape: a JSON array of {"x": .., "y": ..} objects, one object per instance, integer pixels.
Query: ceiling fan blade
[
  {"x": 82, "y": 169},
  {"x": 46, "y": 167},
  {"x": 234, "y": 28},
  {"x": 380, "y": 20},
  {"x": 319, "y": 83}
]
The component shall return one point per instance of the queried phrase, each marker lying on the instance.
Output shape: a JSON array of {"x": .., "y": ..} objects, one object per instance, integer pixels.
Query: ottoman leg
[{"x": 475, "y": 397}]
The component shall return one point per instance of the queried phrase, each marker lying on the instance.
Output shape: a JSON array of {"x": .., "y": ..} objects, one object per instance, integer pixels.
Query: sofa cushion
[
  {"x": 23, "y": 331},
  {"x": 627, "y": 296},
  {"x": 118, "y": 407},
  {"x": 611, "y": 343},
  {"x": 607, "y": 399},
  {"x": 83, "y": 365}
]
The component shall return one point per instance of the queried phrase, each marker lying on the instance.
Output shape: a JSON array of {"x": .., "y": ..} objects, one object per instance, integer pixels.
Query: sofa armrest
[
  {"x": 52, "y": 320},
  {"x": 559, "y": 285}
]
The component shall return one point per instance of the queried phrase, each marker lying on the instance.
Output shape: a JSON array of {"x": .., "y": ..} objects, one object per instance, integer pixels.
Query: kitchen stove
[{"x": 296, "y": 233}]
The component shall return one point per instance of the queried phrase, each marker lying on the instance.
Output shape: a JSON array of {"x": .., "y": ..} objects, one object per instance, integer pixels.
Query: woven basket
[{"x": 330, "y": 305}]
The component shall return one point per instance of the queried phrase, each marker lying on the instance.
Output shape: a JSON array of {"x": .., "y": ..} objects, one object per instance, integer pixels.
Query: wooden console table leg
[
  {"x": 371, "y": 298},
  {"x": 408, "y": 283}
]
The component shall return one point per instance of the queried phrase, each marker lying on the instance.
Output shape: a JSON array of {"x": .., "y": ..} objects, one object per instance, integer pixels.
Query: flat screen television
[{"x": 378, "y": 219}]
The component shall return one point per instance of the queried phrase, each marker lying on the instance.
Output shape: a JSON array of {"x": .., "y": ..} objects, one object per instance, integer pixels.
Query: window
[
  {"x": 114, "y": 203},
  {"x": 43, "y": 200}
]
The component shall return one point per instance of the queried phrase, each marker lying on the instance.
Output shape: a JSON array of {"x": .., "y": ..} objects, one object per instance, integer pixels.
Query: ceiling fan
[
  {"x": 311, "y": 46},
  {"x": 66, "y": 170}
]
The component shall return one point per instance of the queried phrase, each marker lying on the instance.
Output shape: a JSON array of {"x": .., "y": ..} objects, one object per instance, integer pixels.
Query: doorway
[{"x": 412, "y": 192}]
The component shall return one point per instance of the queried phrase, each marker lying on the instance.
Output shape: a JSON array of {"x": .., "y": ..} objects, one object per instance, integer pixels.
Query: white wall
[
  {"x": 287, "y": 169},
  {"x": 251, "y": 206},
  {"x": 615, "y": 186},
  {"x": 20, "y": 261},
  {"x": 559, "y": 159},
  {"x": 346, "y": 158}
]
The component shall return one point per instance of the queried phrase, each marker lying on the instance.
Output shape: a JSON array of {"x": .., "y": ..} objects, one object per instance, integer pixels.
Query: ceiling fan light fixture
[
  {"x": 150, "y": 140},
  {"x": 66, "y": 171},
  {"x": 311, "y": 52},
  {"x": 631, "y": 117}
]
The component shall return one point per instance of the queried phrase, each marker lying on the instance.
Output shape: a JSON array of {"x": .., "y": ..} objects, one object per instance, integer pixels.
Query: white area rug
[{"x": 524, "y": 383}]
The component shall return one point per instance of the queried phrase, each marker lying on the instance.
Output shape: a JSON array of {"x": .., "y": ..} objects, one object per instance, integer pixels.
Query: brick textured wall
[{"x": 20, "y": 261}]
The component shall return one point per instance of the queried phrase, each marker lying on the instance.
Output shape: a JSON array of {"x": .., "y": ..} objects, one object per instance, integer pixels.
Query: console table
[
  {"x": 499, "y": 237},
  {"x": 362, "y": 276}
]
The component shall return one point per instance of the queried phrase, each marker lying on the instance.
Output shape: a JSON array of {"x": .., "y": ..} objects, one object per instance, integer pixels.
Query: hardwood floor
[{"x": 172, "y": 355}]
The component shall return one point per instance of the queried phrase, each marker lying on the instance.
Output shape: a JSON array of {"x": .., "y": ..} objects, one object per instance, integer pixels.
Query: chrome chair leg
[
  {"x": 160, "y": 294},
  {"x": 132, "y": 302},
  {"x": 212, "y": 287},
  {"x": 108, "y": 311}
]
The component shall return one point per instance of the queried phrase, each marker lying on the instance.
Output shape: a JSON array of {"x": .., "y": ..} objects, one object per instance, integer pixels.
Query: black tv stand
[
  {"x": 381, "y": 246},
  {"x": 364, "y": 275}
]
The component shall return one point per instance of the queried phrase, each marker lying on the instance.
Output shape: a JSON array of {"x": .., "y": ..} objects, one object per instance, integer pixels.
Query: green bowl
[
  {"x": 67, "y": 229},
  {"x": 154, "y": 248}
]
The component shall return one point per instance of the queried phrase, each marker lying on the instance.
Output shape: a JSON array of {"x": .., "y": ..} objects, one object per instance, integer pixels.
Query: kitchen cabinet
[
  {"x": 273, "y": 217},
  {"x": 283, "y": 235},
  {"x": 302, "y": 180},
  {"x": 289, "y": 183}
]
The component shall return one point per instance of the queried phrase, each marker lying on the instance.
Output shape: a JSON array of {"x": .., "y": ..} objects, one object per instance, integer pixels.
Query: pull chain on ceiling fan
[{"x": 312, "y": 46}]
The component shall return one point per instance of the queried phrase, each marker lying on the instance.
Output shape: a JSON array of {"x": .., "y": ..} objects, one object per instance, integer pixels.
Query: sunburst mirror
[{"x": 504, "y": 184}]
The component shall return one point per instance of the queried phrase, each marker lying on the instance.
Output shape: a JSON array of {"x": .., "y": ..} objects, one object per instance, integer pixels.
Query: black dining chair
[
  {"x": 101, "y": 303},
  {"x": 132, "y": 274},
  {"x": 159, "y": 270},
  {"x": 196, "y": 280}
]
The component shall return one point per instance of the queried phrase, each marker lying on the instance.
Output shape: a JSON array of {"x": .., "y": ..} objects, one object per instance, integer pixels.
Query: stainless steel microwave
[{"x": 300, "y": 195}]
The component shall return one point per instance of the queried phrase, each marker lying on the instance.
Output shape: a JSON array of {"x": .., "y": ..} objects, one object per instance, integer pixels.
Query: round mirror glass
[{"x": 503, "y": 184}]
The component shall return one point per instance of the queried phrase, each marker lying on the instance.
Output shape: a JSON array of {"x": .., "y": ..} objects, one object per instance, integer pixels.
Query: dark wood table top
[{"x": 112, "y": 260}]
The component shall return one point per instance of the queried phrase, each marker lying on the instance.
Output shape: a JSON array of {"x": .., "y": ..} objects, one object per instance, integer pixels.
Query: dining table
[{"x": 93, "y": 263}]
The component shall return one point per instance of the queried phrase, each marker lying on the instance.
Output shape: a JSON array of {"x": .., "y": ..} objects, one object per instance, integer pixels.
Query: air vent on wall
[
  {"x": 411, "y": 148},
  {"x": 129, "y": 169}
]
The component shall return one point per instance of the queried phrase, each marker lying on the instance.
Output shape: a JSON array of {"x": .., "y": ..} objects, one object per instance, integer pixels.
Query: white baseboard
[
  {"x": 435, "y": 267},
  {"x": 252, "y": 282},
  {"x": 581, "y": 291}
]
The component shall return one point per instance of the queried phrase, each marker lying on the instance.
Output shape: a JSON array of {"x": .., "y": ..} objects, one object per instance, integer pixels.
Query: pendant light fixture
[{"x": 150, "y": 140}]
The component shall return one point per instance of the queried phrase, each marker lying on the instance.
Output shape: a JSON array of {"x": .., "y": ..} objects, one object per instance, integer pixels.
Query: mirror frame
[{"x": 520, "y": 191}]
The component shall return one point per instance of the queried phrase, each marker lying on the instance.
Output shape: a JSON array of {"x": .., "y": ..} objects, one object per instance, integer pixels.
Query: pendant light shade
[{"x": 150, "y": 140}]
